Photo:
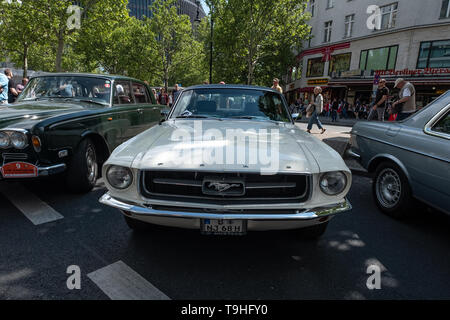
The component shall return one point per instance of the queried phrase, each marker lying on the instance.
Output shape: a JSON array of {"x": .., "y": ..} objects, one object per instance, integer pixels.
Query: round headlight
[
  {"x": 119, "y": 177},
  {"x": 333, "y": 183},
  {"x": 5, "y": 141},
  {"x": 19, "y": 140}
]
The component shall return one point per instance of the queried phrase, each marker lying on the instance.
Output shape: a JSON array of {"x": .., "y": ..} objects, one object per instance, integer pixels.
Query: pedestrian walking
[
  {"x": 379, "y": 107},
  {"x": 406, "y": 106},
  {"x": 3, "y": 89},
  {"x": 317, "y": 105},
  {"x": 334, "y": 110},
  {"x": 276, "y": 85},
  {"x": 163, "y": 97},
  {"x": 12, "y": 92},
  {"x": 176, "y": 92}
]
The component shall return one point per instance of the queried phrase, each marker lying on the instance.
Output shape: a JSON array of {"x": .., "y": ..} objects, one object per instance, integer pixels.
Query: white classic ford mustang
[{"x": 227, "y": 160}]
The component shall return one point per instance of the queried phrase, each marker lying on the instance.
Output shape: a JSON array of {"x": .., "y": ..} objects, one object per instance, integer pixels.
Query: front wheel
[
  {"x": 391, "y": 190},
  {"x": 83, "y": 169}
]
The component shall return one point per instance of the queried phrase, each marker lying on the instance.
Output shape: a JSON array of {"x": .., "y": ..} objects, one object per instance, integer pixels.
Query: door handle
[{"x": 140, "y": 111}]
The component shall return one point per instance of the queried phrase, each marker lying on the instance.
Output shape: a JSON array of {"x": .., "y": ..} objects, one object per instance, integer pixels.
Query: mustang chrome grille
[{"x": 225, "y": 188}]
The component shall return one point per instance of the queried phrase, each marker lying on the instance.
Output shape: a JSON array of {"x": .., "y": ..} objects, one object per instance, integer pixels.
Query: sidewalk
[{"x": 327, "y": 121}]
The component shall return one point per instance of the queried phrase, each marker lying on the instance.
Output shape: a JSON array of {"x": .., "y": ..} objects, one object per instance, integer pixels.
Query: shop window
[
  {"x": 315, "y": 67},
  {"x": 435, "y": 54},
  {"x": 340, "y": 62},
  {"x": 379, "y": 59}
]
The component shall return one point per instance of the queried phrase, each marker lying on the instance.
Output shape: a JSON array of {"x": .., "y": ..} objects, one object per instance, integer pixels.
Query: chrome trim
[
  {"x": 15, "y": 129},
  {"x": 141, "y": 184},
  {"x": 438, "y": 117},
  {"x": 46, "y": 171},
  {"x": 353, "y": 154},
  {"x": 307, "y": 214}
]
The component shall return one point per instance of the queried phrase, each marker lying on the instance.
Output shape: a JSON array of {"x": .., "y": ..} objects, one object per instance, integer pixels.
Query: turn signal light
[{"x": 36, "y": 143}]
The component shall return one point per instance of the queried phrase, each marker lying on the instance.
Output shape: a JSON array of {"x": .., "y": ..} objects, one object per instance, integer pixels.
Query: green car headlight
[
  {"x": 5, "y": 141},
  {"x": 19, "y": 140},
  {"x": 119, "y": 177}
]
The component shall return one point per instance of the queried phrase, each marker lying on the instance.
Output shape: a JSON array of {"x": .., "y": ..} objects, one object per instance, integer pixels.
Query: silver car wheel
[
  {"x": 91, "y": 163},
  {"x": 388, "y": 188}
]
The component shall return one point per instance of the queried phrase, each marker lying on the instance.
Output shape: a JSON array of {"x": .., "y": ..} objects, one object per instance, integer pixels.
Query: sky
[{"x": 205, "y": 7}]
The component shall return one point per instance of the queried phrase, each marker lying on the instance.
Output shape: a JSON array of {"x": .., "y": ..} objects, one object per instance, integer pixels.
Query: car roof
[
  {"x": 87, "y": 75},
  {"x": 230, "y": 86}
]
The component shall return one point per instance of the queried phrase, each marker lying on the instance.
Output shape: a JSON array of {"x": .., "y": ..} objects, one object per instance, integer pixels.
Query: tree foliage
[{"x": 254, "y": 39}]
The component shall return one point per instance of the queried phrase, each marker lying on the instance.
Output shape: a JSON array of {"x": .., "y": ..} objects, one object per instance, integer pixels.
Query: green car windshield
[
  {"x": 90, "y": 89},
  {"x": 246, "y": 104}
]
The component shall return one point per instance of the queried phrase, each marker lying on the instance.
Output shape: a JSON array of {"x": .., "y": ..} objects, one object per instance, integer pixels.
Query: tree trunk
[
  {"x": 25, "y": 60},
  {"x": 59, "y": 53}
]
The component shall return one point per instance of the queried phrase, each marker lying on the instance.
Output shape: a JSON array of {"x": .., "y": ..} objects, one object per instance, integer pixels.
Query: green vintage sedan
[{"x": 68, "y": 124}]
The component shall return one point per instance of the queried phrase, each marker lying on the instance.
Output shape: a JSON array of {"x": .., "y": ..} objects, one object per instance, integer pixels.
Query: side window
[
  {"x": 140, "y": 93},
  {"x": 122, "y": 93},
  {"x": 443, "y": 126}
]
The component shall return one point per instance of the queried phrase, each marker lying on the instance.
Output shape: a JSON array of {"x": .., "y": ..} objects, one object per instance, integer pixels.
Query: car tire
[
  {"x": 136, "y": 225},
  {"x": 391, "y": 191},
  {"x": 314, "y": 232},
  {"x": 83, "y": 169}
]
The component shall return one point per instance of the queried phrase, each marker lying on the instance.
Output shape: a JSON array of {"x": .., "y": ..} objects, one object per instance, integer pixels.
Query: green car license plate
[{"x": 223, "y": 227}]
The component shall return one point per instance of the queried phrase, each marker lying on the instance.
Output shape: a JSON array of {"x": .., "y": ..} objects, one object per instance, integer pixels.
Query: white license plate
[{"x": 224, "y": 227}]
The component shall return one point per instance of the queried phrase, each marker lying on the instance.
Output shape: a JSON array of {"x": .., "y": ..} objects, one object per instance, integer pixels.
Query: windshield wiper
[
  {"x": 92, "y": 101},
  {"x": 197, "y": 117},
  {"x": 244, "y": 117}
]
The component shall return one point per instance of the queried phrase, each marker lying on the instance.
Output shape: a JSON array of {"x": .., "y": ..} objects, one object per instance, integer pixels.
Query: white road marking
[
  {"x": 119, "y": 282},
  {"x": 37, "y": 211}
]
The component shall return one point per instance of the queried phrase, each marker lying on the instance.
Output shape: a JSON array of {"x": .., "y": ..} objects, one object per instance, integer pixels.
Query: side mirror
[{"x": 165, "y": 113}]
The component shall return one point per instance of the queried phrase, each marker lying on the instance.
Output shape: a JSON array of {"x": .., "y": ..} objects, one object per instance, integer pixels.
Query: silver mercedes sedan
[{"x": 409, "y": 159}]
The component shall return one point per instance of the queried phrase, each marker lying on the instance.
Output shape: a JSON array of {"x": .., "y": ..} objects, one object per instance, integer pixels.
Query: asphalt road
[{"x": 176, "y": 264}]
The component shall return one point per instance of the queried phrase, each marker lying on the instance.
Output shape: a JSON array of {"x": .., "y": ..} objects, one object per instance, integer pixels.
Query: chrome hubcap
[
  {"x": 91, "y": 161},
  {"x": 388, "y": 188}
]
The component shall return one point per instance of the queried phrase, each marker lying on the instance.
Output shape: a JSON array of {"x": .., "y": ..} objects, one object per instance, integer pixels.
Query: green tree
[
  {"x": 177, "y": 50},
  {"x": 254, "y": 39},
  {"x": 22, "y": 29}
]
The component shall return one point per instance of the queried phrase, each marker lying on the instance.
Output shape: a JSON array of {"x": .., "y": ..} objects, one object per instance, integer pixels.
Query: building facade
[
  {"x": 356, "y": 42},
  {"x": 141, "y": 8}
]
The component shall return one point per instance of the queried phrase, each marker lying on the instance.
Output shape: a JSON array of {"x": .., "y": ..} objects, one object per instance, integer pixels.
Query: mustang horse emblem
[{"x": 222, "y": 187}]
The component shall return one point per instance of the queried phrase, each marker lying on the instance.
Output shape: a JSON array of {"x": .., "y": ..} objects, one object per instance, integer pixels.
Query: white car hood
[{"x": 159, "y": 148}]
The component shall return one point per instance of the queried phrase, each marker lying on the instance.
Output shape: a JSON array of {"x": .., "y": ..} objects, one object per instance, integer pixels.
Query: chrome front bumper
[
  {"x": 301, "y": 215},
  {"x": 43, "y": 171}
]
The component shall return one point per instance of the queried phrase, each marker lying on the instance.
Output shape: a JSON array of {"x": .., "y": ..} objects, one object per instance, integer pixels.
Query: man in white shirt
[{"x": 407, "y": 96}]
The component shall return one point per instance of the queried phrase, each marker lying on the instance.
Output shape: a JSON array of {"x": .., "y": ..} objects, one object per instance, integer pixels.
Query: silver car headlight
[
  {"x": 5, "y": 141},
  {"x": 119, "y": 177},
  {"x": 19, "y": 140},
  {"x": 333, "y": 183}
]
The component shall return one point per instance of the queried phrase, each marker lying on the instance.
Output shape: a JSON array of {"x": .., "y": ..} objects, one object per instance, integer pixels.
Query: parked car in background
[
  {"x": 148, "y": 183},
  {"x": 70, "y": 123},
  {"x": 409, "y": 159}
]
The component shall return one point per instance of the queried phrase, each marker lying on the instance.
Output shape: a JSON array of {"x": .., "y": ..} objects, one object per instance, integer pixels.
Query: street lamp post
[{"x": 211, "y": 48}]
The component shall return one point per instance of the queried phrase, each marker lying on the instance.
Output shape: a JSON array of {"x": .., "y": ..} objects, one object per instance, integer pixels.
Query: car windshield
[
  {"x": 87, "y": 89},
  {"x": 246, "y": 104}
]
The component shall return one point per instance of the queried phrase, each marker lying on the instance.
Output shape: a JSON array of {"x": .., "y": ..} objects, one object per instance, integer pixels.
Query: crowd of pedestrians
[
  {"x": 167, "y": 98},
  {"x": 384, "y": 106}
]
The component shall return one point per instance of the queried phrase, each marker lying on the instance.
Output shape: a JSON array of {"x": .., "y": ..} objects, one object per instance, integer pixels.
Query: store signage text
[
  {"x": 315, "y": 82},
  {"x": 414, "y": 72}
]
